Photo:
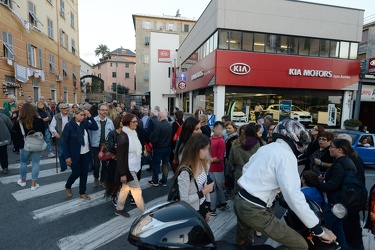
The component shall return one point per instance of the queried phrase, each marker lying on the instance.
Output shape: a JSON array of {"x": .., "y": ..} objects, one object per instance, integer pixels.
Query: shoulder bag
[
  {"x": 174, "y": 194},
  {"x": 34, "y": 142}
]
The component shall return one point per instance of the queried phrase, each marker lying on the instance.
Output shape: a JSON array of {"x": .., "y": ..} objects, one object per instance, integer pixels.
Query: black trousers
[
  {"x": 103, "y": 172},
  {"x": 80, "y": 170},
  {"x": 4, "y": 156},
  {"x": 353, "y": 231}
]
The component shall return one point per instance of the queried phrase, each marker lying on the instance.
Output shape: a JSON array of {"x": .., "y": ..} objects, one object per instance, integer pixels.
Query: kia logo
[
  {"x": 372, "y": 63},
  {"x": 164, "y": 53},
  {"x": 240, "y": 68}
]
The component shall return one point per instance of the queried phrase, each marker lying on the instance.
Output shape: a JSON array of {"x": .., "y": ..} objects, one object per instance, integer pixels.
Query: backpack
[
  {"x": 174, "y": 194},
  {"x": 178, "y": 132},
  {"x": 353, "y": 194}
]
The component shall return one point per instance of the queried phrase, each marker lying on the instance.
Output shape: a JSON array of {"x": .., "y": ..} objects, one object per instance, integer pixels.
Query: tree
[{"x": 102, "y": 50}]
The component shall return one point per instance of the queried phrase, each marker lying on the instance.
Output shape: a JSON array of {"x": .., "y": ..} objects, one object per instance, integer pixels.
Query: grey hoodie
[{"x": 6, "y": 126}]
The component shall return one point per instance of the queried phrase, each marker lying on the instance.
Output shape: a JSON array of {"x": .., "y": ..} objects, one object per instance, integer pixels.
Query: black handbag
[{"x": 174, "y": 194}]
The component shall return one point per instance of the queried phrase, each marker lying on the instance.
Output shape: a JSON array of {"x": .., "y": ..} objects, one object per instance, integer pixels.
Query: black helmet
[{"x": 171, "y": 225}]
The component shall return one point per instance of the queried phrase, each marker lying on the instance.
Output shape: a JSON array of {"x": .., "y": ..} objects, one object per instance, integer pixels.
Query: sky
[{"x": 110, "y": 22}]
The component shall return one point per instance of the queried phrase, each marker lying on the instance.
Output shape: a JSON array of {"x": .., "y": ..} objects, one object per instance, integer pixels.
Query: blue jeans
[
  {"x": 335, "y": 225},
  {"x": 47, "y": 139},
  {"x": 80, "y": 170},
  {"x": 35, "y": 159},
  {"x": 160, "y": 155},
  {"x": 61, "y": 154}
]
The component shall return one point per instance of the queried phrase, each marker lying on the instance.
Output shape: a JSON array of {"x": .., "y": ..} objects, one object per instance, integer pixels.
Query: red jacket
[{"x": 218, "y": 151}]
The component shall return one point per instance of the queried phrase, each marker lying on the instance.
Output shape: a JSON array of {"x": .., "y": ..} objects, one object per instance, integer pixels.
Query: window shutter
[
  {"x": 66, "y": 41},
  {"x": 40, "y": 58},
  {"x": 5, "y": 37},
  {"x": 29, "y": 57},
  {"x": 10, "y": 44}
]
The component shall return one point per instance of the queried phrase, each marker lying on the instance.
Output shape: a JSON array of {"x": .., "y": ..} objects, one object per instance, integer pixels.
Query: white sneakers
[
  {"x": 20, "y": 183},
  {"x": 23, "y": 184},
  {"x": 51, "y": 155},
  {"x": 33, "y": 188}
]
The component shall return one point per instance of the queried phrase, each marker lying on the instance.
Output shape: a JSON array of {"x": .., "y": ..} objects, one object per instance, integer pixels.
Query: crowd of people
[{"x": 211, "y": 164}]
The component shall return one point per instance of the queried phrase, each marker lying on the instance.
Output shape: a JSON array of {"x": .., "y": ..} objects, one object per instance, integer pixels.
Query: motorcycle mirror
[{"x": 339, "y": 210}]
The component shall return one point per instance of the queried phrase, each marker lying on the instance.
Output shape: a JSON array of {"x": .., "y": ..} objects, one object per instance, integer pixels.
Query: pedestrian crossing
[
  {"x": 57, "y": 211},
  {"x": 104, "y": 232}
]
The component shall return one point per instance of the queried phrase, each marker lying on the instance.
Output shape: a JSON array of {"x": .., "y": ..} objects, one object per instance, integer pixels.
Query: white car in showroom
[{"x": 297, "y": 113}]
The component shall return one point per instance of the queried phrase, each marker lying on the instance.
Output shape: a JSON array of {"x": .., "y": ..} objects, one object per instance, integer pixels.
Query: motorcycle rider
[{"x": 274, "y": 168}]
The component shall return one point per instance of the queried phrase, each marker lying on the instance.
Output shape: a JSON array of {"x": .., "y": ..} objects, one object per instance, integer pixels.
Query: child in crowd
[
  {"x": 309, "y": 180},
  {"x": 217, "y": 168}
]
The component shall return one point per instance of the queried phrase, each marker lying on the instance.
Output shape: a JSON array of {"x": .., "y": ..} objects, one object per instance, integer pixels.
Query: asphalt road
[{"x": 47, "y": 219}]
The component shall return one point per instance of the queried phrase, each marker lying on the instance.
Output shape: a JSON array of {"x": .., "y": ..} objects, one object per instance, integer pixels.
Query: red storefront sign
[
  {"x": 273, "y": 70},
  {"x": 164, "y": 55}
]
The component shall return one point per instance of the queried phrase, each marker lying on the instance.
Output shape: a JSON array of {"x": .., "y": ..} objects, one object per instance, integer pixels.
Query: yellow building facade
[{"x": 39, "y": 52}]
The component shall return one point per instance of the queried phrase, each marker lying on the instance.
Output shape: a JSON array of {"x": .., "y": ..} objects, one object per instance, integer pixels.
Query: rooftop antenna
[{"x": 178, "y": 13}]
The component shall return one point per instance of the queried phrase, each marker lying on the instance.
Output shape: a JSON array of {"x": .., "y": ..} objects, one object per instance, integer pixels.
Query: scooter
[{"x": 177, "y": 225}]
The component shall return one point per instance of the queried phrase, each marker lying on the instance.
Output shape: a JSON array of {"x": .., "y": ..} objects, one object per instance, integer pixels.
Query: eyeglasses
[
  {"x": 134, "y": 122},
  {"x": 322, "y": 139},
  {"x": 103, "y": 109}
]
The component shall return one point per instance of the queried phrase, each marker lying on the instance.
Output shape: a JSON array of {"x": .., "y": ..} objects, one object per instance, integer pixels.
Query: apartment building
[
  {"x": 116, "y": 71},
  {"x": 144, "y": 26},
  {"x": 39, "y": 55}
]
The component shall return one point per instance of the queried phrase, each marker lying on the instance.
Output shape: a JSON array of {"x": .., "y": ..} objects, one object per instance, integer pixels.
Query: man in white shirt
[
  {"x": 56, "y": 128},
  {"x": 274, "y": 168}
]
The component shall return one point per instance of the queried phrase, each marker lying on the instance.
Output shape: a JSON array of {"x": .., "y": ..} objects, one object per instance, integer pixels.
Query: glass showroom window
[
  {"x": 247, "y": 41},
  {"x": 344, "y": 50},
  {"x": 353, "y": 51},
  {"x": 304, "y": 46},
  {"x": 234, "y": 40},
  {"x": 223, "y": 39},
  {"x": 272, "y": 43},
  {"x": 324, "y": 48},
  {"x": 334, "y": 49},
  {"x": 259, "y": 42},
  {"x": 314, "y": 47},
  {"x": 292, "y": 45}
]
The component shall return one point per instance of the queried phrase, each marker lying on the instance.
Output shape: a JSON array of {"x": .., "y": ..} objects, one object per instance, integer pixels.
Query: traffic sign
[{"x": 181, "y": 85}]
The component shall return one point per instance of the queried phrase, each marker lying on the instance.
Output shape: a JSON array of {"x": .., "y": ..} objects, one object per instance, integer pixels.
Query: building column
[
  {"x": 347, "y": 105},
  {"x": 219, "y": 102},
  {"x": 191, "y": 102}
]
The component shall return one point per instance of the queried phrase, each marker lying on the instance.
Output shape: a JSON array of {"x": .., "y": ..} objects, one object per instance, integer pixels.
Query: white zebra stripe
[{"x": 60, "y": 210}]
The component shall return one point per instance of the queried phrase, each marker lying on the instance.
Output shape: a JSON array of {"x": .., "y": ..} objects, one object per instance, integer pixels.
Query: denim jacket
[{"x": 95, "y": 134}]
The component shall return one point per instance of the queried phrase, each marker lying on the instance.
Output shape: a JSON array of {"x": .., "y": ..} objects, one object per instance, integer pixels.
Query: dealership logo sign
[
  {"x": 240, "y": 68},
  {"x": 310, "y": 73},
  {"x": 197, "y": 75}
]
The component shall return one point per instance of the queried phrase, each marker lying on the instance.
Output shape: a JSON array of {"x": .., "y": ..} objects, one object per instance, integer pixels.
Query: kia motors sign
[
  {"x": 164, "y": 55},
  {"x": 371, "y": 66},
  {"x": 240, "y": 68}
]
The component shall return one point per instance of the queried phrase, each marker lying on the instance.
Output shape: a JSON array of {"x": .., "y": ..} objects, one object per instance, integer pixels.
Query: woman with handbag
[
  {"x": 129, "y": 153},
  {"x": 41, "y": 108},
  {"x": 76, "y": 143},
  {"x": 28, "y": 123},
  {"x": 192, "y": 185},
  {"x": 332, "y": 186}
]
